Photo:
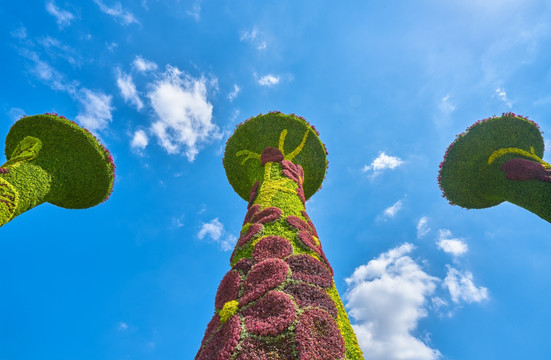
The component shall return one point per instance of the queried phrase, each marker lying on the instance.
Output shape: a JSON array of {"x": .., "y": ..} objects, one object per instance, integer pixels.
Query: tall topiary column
[
  {"x": 278, "y": 300},
  {"x": 52, "y": 159},
  {"x": 495, "y": 160}
]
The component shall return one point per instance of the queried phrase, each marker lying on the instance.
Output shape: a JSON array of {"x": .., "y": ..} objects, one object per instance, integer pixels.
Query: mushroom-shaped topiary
[
  {"x": 280, "y": 290},
  {"x": 495, "y": 160},
  {"x": 52, "y": 159}
]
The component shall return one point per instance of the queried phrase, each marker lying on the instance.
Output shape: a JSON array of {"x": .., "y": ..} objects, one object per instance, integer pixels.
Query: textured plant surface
[
  {"x": 498, "y": 159},
  {"x": 52, "y": 159},
  {"x": 278, "y": 301}
]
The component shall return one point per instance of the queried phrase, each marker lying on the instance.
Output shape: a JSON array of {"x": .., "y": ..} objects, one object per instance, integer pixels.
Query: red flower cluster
[
  {"x": 223, "y": 342},
  {"x": 228, "y": 289},
  {"x": 272, "y": 247},
  {"x": 249, "y": 234},
  {"x": 253, "y": 194},
  {"x": 271, "y": 154},
  {"x": 211, "y": 327},
  {"x": 267, "y": 215},
  {"x": 250, "y": 213},
  {"x": 310, "y": 295},
  {"x": 271, "y": 315},
  {"x": 263, "y": 277},
  {"x": 253, "y": 349},
  {"x": 292, "y": 171},
  {"x": 307, "y": 268},
  {"x": 318, "y": 337}
]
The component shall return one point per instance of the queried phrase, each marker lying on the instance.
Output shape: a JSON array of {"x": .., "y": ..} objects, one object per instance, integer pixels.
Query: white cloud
[
  {"x": 122, "y": 326},
  {"x": 143, "y": 65},
  {"x": 234, "y": 93},
  {"x": 387, "y": 297},
  {"x": 423, "y": 227},
  {"x": 268, "y": 80},
  {"x": 63, "y": 17},
  {"x": 462, "y": 288},
  {"x": 382, "y": 162},
  {"x": 184, "y": 115},
  {"x": 253, "y": 37},
  {"x": 96, "y": 114},
  {"x": 139, "y": 141},
  {"x": 445, "y": 105},
  {"x": 128, "y": 90},
  {"x": 195, "y": 12},
  {"x": 53, "y": 78},
  {"x": 215, "y": 230},
  {"x": 19, "y": 33},
  {"x": 502, "y": 95},
  {"x": 124, "y": 16},
  {"x": 450, "y": 245},
  {"x": 391, "y": 211},
  {"x": 16, "y": 113}
]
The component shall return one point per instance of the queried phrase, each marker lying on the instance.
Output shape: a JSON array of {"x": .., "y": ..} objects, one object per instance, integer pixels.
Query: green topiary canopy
[
  {"x": 288, "y": 133},
  {"x": 52, "y": 159}
]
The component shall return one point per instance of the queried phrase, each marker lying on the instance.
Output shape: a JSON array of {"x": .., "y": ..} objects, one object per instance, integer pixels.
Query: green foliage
[
  {"x": 51, "y": 159},
  {"x": 262, "y": 131}
]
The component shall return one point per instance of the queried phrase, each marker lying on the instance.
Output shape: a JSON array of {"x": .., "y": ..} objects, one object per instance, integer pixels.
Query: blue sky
[{"x": 164, "y": 83}]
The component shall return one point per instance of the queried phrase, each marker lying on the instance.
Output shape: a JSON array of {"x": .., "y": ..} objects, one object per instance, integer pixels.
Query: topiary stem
[{"x": 22, "y": 187}]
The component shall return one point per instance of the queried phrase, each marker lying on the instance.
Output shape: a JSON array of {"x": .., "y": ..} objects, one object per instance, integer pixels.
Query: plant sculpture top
[
  {"x": 278, "y": 301},
  {"x": 52, "y": 159},
  {"x": 495, "y": 160}
]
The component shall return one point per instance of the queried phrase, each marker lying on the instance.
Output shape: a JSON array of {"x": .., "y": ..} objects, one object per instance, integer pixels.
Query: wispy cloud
[
  {"x": 123, "y": 16},
  {"x": 423, "y": 227},
  {"x": 450, "y": 245},
  {"x": 391, "y": 211},
  {"x": 462, "y": 288},
  {"x": 63, "y": 17},
  {"x": 382, "y": 163},
  {"x": 45, "y": 72},
  {"x": 269, "y": 80},
  {"x": 19, "y": 33},
  {"x": 195, "y": 12},
  {"x": 139, "y": 141},
  {"x": 96, "y": 109},
  {"x": 128, "y": 90},
  {"x": 446, "y": 106},
  {"x": 253, "y": 36},
  {"x": 216, "y": 232},
  {"x": 184, "y": 114},
  {"x": 143, "y": 65},
  {"x": 502, "y": 95},
  {"x": 122, "y": 326},
  {"x": 233, "y": 94},
  {"x": 387, "y": 297}
]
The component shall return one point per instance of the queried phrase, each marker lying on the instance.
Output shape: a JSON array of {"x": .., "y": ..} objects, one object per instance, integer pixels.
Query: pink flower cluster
[
  {"x": 267, "y": 215},
  {"x": 272, "y": 247},
  {"x": 310, "y": 295},
  {"x": 251, "y": 232},
  {"x": 4, "y": 171},
  {"x": 263, "y": 277},
  {"x": 318, "y": 337},
  {"x": 292, "y": 171},
  {"x": 244, "y": 265},
  {"x": 223, "y": 342},
  {"x": 271, "y": 315},
  {"x": 523, "y": 170},
  {"x": 228, "y": 289},
  {"x": 307, "y": 268},
  {"x": 253, "y": 194}
]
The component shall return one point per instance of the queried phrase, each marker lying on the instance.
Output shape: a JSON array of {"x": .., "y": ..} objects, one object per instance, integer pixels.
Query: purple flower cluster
[
  {"x": 267, "y": 215},
  {"x": 254, "y": 349},
  {"x": 523, "y": 170},
  {"x": 250, "y": 213},
  {"x": 228, "y": 289},
  {"x": 244, "y": 265},
  {"x": 263, "y": 277},
  {"x": 223, "y": 341},
  {"x": 292, "y": 171},
  {"x": 310, "y": 295},
  {"x": 272, "y": 247},
  {"x": 271, "y": 315},
  {"x": 4, "y": 171},
  {"x": 251, "y": 232},
  {"x": 318, "y": 337},
  {"x": 307, "y": 268}
]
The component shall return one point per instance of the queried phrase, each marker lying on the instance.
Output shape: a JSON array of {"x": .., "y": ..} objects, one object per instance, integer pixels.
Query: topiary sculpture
[
  {"x": 52, "y": 159},
  {"x": 495, "y": 160},
  {"x": 278, "y": 301}
]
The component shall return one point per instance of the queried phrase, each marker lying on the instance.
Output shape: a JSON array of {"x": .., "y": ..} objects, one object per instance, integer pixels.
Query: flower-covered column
[
  {"x": 278, "y": 301},
  {"x": 52, "y": 159}
]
